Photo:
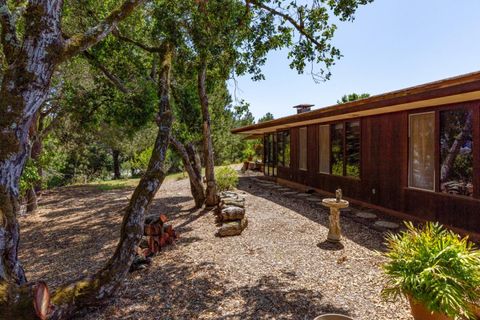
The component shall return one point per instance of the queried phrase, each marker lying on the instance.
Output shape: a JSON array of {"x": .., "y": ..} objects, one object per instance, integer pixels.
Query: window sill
[
  {"x": 443, "y": 194},
  {"x": 342, "y": 177}
]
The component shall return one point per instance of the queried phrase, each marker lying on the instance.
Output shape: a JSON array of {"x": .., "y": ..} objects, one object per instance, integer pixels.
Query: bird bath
[{"x": 335, "y": 204}]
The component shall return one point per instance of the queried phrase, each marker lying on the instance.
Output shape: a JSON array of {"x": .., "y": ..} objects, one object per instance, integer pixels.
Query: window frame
[
  {"x": 329, "y": 155},
  {"x": 468, "y": 105},
  {"x": 435, "y": 152},
  {"x": 345, "y": 154},
  {"x": 300, "y": 149},
  {"x": 282, "y": 134}
]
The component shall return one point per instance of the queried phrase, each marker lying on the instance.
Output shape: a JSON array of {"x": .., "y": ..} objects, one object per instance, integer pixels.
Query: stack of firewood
[
  {"x": 156, "y": 235},
  {"x": 231, "y": 214}
]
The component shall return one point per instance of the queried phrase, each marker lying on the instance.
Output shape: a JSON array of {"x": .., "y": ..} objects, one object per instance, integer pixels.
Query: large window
[
  {"x": 270, "y": 165},
  {"x": 456, "y": 152},
  {"x": 345, "y": 149},
  {"x": 454, "y": 141},
  {"x": 422, "y": 151},
  {"x": 352, "y": 146},
  {"x": 324, "y": 149},
  {"x": 337, "y": 149},
  {"x": 283, "y": 148},
  {"x": 302, "y": 161}
]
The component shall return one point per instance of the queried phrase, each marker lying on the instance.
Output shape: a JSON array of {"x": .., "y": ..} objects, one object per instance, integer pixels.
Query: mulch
[{"x": 280, "y": 267}]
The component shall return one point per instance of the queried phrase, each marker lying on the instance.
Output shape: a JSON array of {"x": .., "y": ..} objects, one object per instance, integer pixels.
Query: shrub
[
  {"x": 227, "y": 178},
  {"x": 435, "y": 267},
  {"x": 29, "y": 177}
]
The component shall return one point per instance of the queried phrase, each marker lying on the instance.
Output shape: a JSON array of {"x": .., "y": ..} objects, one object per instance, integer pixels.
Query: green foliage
[
  {"x": 228, "y": 148},
  {"x": 249, "y": 151},
  {"x": 226, "y": 177},
  {"x": 29, "y": 177},
  {"x": 352, "y": 97},
  {"x": 267, "y": 117},
  {"x": 139, "y": 162},
  {"x": 353, "y": 170},
  {"x": 435, "y": 267},
  {"x": 97, "y": 117}
]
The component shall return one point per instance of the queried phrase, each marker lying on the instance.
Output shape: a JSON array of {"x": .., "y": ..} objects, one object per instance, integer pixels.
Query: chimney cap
[{"x": 303, "y": 106}]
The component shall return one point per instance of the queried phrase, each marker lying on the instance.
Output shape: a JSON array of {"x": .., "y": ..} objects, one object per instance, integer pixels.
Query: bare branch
[
  {"x": 291, "y": 20},
  {"x": 9, "y": 37},
  {"x": 110, "y": 76},
  {"x": 117, "y": 34},
  {"x": 80, "y": 42}
]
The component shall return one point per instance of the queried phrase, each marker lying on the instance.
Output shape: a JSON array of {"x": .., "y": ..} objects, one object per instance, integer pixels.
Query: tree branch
[
  {"x": 80, "y": 42},
  {"x": 117, "y": 34},
  {"x": 9, "y": 37},
  {"x": 300, "y": 28},
  {"x": 110, "y": 76}
]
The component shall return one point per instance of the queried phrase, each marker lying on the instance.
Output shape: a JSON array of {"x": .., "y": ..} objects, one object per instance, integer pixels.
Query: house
[{"x": 413, "y": 153}]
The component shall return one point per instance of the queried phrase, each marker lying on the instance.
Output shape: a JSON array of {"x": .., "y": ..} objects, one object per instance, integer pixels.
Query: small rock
[
  {"x": 303, "y": 195},
  {"x": 386, "y": 224},
  {"x": 366, "y": 215}
]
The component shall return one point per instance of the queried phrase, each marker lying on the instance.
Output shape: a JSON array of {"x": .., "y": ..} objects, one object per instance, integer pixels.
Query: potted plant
[{"x": 435, "y": 269}]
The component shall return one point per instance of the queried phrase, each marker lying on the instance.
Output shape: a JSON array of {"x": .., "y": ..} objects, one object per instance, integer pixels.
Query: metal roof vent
[{"x": 301, "y": 108}]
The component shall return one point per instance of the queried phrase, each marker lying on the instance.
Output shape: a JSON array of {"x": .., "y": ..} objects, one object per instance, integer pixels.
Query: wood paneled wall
[{"x": 384, "y": 173}]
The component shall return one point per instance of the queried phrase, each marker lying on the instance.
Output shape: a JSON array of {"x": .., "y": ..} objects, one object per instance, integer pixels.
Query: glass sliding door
[{"x": 270, "y": 154}]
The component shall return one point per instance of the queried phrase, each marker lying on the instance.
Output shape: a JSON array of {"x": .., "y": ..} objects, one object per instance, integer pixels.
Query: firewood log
[
  {"x": 162, "y": 243},
  {"x": 41, "y": 300},
  {"x": 146, "y": 252},
  {"x": 231, "y": 213},
  {"x": 163, "y": 218},
  {"x": 143, "y": 243},
  {"x": 153, "y": 243},
  {"x": 168, "y": 229},
  {"x": 152, "y": 219},
  {"x": 153, "y": 230},
  {"x": 232, "y": 228},
  {"x": 155, "y": 218}
]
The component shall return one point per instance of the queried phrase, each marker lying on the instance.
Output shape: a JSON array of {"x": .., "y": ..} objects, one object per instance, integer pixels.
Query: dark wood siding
[
  {"x": 384, "y": 160},
  {"x": 384, "y": 172}
]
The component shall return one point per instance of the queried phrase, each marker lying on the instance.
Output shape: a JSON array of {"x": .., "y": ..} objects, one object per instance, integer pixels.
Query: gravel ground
[{"x": 279, "y": 268}]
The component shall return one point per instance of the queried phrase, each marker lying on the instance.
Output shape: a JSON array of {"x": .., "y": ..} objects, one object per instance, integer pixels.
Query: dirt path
[{"x": 279, "y": 268}]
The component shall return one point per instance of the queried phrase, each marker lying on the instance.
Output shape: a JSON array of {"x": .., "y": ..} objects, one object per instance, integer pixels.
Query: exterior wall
[{"x": 384, "y": 172}]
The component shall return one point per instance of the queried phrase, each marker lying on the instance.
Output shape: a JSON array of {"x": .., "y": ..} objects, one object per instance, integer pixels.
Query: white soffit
[{"x": 464, "y": 97}]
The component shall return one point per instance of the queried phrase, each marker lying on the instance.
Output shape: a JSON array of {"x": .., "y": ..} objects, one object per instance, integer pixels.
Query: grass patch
[{"x": 107, "y": 185}]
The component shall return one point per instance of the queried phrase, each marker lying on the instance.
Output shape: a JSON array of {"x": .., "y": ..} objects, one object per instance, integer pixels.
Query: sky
[{"x": 391, "y": 45}]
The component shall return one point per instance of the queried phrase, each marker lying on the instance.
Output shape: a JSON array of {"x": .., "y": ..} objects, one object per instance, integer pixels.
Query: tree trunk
[
  {"x": 196, "y": 185},
  {"x": 211, "y": 192},
  {"x": 116, "y": 164},
  {"x": 32, "y": 202},
  {"x": 103, "y": 285},
  {"x": 20, "y": 100},
  {"x": 25, "y": 86},
  {"x": 194, "y": 160}
]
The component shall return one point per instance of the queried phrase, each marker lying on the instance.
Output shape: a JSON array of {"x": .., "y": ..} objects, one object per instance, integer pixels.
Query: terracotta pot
[
  {"x": 476, "y": 310},
  {"x": 420, "y": 312}
]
